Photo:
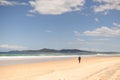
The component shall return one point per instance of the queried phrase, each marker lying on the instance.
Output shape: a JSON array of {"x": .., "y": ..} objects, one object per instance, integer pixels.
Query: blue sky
[{"x": 60, "y": 24}]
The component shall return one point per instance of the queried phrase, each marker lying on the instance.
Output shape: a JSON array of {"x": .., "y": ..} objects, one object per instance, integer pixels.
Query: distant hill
[
  {"x": 71, "y": 51},
  {"x": 53, "y": 50}
]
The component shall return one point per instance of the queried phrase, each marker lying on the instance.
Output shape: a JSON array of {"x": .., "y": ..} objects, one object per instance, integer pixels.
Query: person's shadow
[{"x": 79, "y": 59}]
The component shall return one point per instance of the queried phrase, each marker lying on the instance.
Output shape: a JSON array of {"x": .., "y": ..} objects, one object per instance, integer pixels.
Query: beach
[{"x": 89, "y": 68}]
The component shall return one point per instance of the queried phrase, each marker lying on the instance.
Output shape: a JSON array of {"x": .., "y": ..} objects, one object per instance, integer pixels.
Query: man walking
[{"x": 79, "y": 59}]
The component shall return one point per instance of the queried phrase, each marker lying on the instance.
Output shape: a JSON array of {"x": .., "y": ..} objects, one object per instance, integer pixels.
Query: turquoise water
[{"x": 54, "y": 54}]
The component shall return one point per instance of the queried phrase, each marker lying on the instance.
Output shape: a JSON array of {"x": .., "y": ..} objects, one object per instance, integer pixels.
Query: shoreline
[
  {"x": 15, "y": 60},
  {"x": 90, "y": 68}
]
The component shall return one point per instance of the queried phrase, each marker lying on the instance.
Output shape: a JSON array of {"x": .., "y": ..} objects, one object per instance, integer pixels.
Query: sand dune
[{"x": 91, "y": 68}]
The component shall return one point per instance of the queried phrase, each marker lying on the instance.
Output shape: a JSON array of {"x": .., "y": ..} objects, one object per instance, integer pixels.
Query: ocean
[{"x": 58, "y": 54}]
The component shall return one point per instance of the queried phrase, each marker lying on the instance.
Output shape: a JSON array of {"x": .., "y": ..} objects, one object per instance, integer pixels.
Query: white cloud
[
  {"x": 80, "y": 40},
  {"x": 102, "y": 39},
  {"x": 96, "y": 19},
  {"x": 77, "y": 33},
  {"x": 116, "y": 24},
  {"x": 103, "y": 31},
  {"x": 106, "y": 5},
  {"x": 48, "y": 31},
  {"x": 10, "y": 3},
  {"x": 85, "y": 14},
  {"x": 12, "y": 47},
  {"x": 55, "y": 7},
  {"x": 30, "y": 15},
  {"x": 105, "y": 13}
]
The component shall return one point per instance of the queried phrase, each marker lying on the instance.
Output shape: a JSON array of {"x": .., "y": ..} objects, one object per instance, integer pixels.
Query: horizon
[
  {"x": 60, "y": 49},
  {"x": 91, "y": 25}
]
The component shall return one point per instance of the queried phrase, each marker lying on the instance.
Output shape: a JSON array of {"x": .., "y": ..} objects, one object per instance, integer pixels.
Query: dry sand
[{"x": 90, "y": 68}]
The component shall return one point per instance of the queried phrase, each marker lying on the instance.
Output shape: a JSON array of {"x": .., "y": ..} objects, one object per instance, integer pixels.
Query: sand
[{"x": 90, "y": 68}]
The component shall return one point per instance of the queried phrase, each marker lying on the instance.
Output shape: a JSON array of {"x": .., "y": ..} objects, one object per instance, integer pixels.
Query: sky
[{"x": 92, "y": 25}]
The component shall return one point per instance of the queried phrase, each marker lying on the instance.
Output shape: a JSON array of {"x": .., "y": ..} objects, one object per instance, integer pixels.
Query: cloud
[
  {"x": 85, "y": 14},
  {"x": 116, "y": 24},
  {"x": 30, "y": 15},
  {"x": 12, "y": 47},
  {"x": 55, "y": 7},
  {"x": 11, "y": 3},
  {"x": 103, "y": 31},
  {"x": 77, "y": 33},
  {"x": 106, "y": 5},
  {"x": 103, "y": 39},
  {"x": 80, "y": 40},
  {"x": 48, "y": 31},
  {"x": 96, "y": 20}
]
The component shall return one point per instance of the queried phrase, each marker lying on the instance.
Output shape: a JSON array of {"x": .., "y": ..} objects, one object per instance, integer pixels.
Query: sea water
[{"x": 58, "y": 54}]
